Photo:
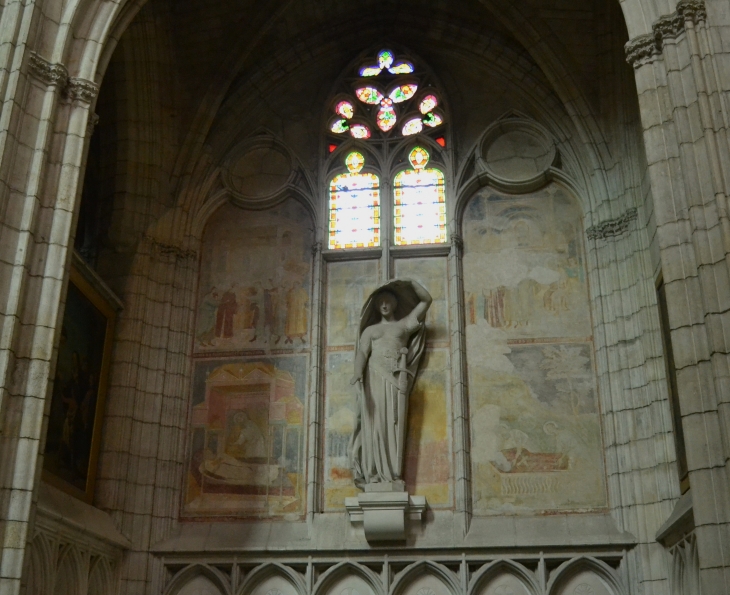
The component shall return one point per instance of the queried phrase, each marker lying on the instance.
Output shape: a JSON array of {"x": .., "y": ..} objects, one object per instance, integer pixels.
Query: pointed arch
[
  {"x": 190, "y": 573},
  {"x": 261, "y": 574},
  {"x": 572, "y": 567},
  {"x": 344, "y": 569},
  {"x": 71, "y": 576},
  {"x": 425, "y": 567},
  {"x": 486, "y": 574},
  {"x": 41, "y": 566},
  {"x": 101, "y": 577}
]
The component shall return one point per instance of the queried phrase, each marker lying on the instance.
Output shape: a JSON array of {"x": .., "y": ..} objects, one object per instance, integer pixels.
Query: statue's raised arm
[{"x": 391, "y": 341}]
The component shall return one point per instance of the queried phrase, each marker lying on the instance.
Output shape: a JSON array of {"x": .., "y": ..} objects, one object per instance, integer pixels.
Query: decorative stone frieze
[
  {"x": 645, "y": 48},
  {"x": 47, "y": 72},
  {"x": 612, "y": 227},
  {"x": 81, "y": 89}
]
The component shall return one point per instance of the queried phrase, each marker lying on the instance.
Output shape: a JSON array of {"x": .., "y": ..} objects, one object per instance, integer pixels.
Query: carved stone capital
[
  {"x": 692, "y": 10},
  {"x": 457, "y": 241},
  {"x": 316, "y": 248},
  {"x": 641, "y": 50},
  {"x": 47, "y": 72},
  {"x": 81, "y": 89},
  {"x": 172, "y": 250},
  {"x": 645, "y": 48},
  {"x": 612, "y": 227},
  {"x": 667, "y": 27}
]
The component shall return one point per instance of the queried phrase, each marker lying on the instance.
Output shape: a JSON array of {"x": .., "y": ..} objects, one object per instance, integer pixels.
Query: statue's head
[{"x": 386, "y": 303}]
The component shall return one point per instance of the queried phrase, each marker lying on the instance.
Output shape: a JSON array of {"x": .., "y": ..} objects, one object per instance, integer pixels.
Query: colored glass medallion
[
  {"x": 354, "y": 162},
  {"x": 345, "y": 109},
  {"x": 370, "y": 71},
  {"x": 385, "y": 59},
  {"x": 403, "y": 93},
  {"x": 401, "y": 68},
  {"x": 386, "y": 116},
  {"x": 428, "y": 103},
  {"x": 413, "y": 126},
  {"x": 418, "y": 158},
  {"x": 354, "y": 220},
  {"x": 420, "y": 202},
  {"x": 369, "y": 95},
  {"x": 339, "y": 126},
  {"x": 360, "y": 131},
  {"x": 432, "y": 119}
]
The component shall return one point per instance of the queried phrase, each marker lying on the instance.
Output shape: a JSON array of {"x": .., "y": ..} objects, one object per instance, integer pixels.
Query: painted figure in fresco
[
  {"x": 392, "y": 338},
  {"x": 296, "y": 314},
  {"x": 207, "y": 317},
  {"x": 226, "y": 311}
]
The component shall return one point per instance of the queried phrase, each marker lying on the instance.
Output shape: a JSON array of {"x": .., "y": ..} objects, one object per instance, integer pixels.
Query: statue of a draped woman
[{"x": 391, "y": 341}]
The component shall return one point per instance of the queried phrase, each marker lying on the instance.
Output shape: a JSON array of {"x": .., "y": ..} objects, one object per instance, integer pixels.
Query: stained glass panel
[
  {"x": 385, "y": 59},
  {"x": 339, "y": 126},
  {"x": 386, "y": 116},
  {"x": 354, "y": 220},
  {"x": 345, "y": 109},
  {"x": 370, "y": 71},
  {"x": 420, "y": 203},
  {"x": 403, "y": 93},
  {"x": 413, "y": 126},
  {"x": 428, "y": 103},
  {"x": 401, "y": 68},
  {"x": 369, "y": 95},
  {"x": 432, "y": 119},
  {"x": 359, "y": 131}
]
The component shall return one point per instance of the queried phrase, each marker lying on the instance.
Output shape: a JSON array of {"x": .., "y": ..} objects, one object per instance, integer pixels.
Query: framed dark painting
[{"x": 79, "y": 387}]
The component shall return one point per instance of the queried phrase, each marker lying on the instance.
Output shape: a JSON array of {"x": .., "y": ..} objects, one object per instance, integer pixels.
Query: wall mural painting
[
  {"x": 246, "y": 444},
  {"x": 255, "y": 280},
  {"x": 536, "y": 436},
  {"x": 428, "y": 464},
  {"x": 428, "y": 449}
]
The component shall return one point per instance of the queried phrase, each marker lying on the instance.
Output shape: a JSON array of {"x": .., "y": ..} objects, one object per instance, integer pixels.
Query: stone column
[
  {"x": 41, "y": 159},
  {"x": 684, "y": 116}
]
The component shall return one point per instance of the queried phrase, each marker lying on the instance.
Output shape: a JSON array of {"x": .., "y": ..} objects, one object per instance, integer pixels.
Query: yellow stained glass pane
[
  {"x": 354, "y": 220},
  {"x": 420, "y": 207}
]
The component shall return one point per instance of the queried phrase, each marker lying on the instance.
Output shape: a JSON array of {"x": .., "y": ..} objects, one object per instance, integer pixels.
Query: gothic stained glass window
[
  {"x": 386, "y": 93},
  {"x": 354, "y": 211},
  {"x": 419, "y": 202}
]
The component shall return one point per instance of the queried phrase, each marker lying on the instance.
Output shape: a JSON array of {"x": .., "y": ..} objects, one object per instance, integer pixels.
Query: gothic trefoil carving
[
  {"x": 612, "y": 227},
  {"x": 45, "y": 71}
]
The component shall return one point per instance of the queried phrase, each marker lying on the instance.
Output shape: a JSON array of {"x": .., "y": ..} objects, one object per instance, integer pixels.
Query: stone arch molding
[
  {"x": 338, "y": 580},
  {"x": 272, "y": 579},
  {"x": 583, "y": 571},
  {"x": 488, "y": 579},
  {"x": 418, "y": 579},
  {"x": 192, "y": 574}
]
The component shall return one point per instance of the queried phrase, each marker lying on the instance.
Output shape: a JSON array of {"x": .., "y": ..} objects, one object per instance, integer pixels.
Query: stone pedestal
[{"x": 384, "y": 514}]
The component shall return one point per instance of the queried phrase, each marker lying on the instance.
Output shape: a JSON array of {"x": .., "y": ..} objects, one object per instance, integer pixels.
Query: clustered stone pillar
[{"x": 685, "y": 115}]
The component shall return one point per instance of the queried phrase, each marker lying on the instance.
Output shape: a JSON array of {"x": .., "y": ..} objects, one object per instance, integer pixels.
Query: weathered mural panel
[
  {"x": 536, "y": 436},
  {"x": 428, "y": 449},
  {"x": 246, "y": 445},
  {"x": 255, "y": 280}
]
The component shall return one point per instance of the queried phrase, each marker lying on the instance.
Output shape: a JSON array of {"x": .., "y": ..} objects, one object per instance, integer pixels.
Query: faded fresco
[
  {"x": 536, "y": 435},
  {"x": 428, "y": 453},
  {"x": 246, "y": 454},
  {"x": 255, "y": 280},
  {"x": 523, "y": 265}
]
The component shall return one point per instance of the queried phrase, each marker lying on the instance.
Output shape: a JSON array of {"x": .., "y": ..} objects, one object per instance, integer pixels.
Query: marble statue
[{"x": 391, "y": 341}]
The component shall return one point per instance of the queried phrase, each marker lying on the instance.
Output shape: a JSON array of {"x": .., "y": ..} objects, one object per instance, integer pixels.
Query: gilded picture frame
[{"x": 77, "y": 406}]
